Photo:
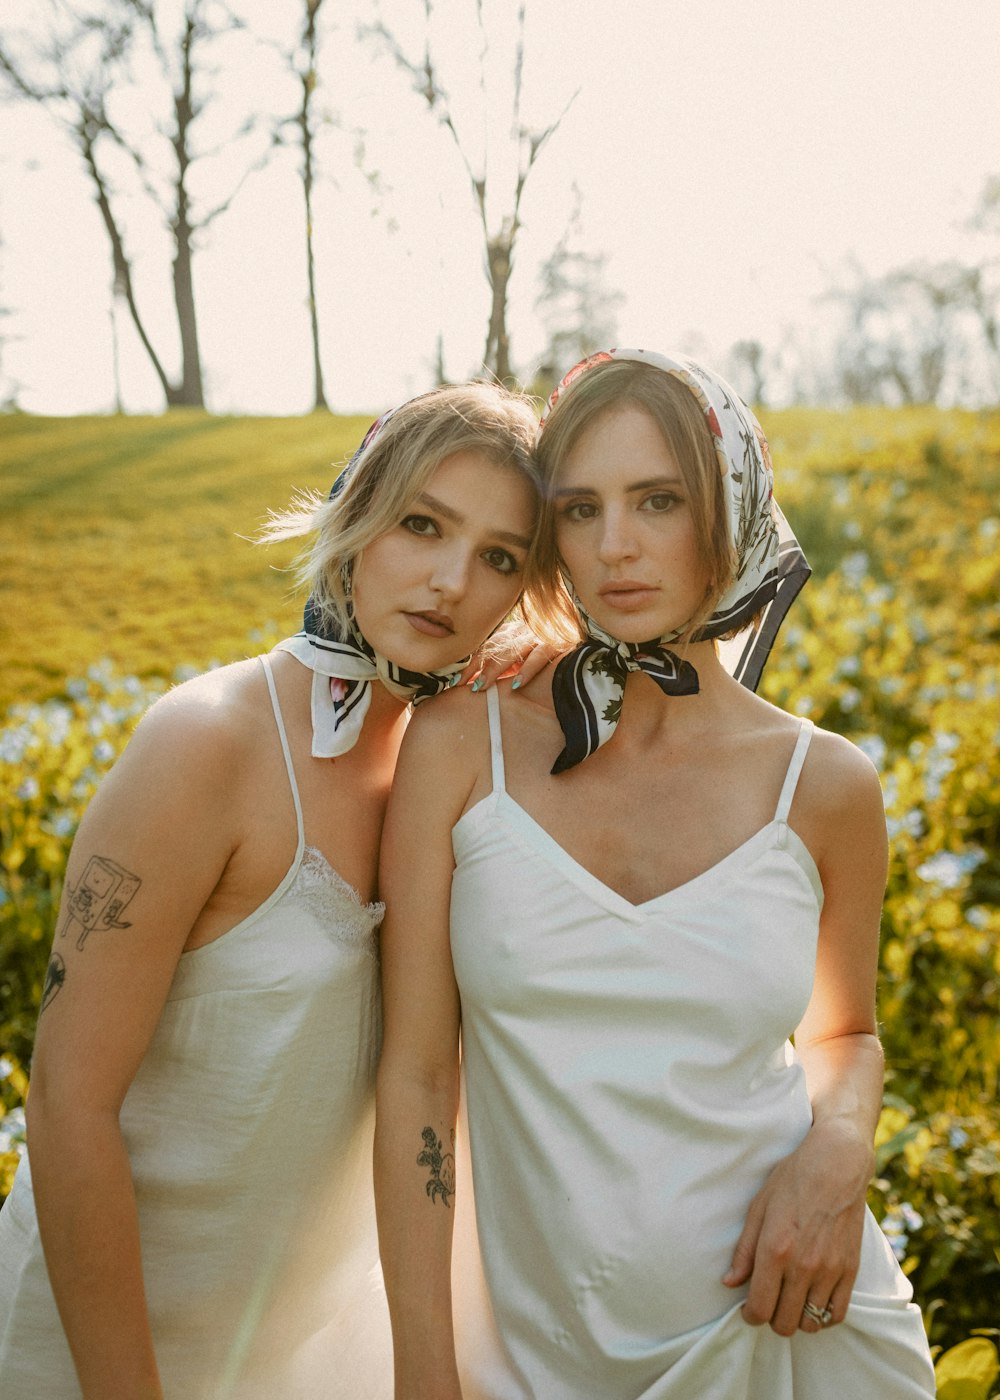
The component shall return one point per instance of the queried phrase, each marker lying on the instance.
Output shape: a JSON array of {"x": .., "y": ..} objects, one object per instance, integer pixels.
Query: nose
[
  {"x": 450, "y": 575},
  {"x": 618, "y": 538}
]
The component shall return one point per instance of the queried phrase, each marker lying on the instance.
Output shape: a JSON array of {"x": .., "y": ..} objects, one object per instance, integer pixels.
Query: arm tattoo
[
  {"x": 55, "y": 976},
  {"x": 100, "y": 895},
  {"x": 442, "y": 1165}
]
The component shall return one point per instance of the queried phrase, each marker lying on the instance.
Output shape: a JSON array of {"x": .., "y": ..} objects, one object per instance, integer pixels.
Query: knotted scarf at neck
[
  {"x": 588, "y": 687},
  {"x": 344, "y": 669}
]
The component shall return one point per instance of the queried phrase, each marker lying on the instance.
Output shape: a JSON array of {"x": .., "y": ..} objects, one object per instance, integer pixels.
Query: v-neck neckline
[{"x": 520, "y": 820}]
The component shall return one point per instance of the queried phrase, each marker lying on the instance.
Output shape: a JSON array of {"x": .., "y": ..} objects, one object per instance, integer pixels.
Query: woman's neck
[
  {"x": 647, "y": 713},
  {"x": 386, "y": 711}
]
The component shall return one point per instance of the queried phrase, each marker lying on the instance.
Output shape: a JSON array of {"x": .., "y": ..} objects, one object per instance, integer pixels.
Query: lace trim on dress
[{"x": 335, "y": 903}]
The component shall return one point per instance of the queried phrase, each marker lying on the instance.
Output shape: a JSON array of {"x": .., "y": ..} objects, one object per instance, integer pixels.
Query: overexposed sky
[{"x": 730, "y": 157}]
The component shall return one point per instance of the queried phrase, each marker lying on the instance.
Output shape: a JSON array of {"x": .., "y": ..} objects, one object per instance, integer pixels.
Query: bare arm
[
  {"x": 417, "y": 1086},
  {"x": 148, "y": 853},
  {"x": 802, "y": 1236}
]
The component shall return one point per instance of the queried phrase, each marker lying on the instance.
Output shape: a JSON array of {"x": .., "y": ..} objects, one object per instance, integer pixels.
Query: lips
[
  {"x": 628, "y": 595},
  {"x": 431, "y": 623}
]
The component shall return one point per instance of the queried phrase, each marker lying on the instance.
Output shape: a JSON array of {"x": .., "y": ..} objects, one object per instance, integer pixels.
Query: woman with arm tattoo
[
  {"x": 656, "y": 878},
  {"x": 201, "y": 1107}
]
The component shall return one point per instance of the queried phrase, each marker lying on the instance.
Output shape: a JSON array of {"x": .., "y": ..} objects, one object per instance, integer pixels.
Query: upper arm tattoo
[
  {"x": 442, "y": 1165},
  {"x": 98, "y": 898}
]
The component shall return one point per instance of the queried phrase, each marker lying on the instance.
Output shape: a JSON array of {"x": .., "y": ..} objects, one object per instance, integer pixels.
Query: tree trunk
[
  {"x": 319, "y": 395},
  {"x": 191, "y": 391},
  {"x": 123, "y": 272},
  {"x": 311, "y": 42},
  {"x": 496, "y": 356}
]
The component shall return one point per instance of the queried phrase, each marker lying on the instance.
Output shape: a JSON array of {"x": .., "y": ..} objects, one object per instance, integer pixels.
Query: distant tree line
[
  {"x": 923, "y": 333},
  {"x": 143, "y": 91}
]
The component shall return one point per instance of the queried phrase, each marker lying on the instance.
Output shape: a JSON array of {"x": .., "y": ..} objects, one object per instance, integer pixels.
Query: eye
[
  {"x": 661, "y": 501},
  {"x": 420, "y": 525},
  {"x": 502, "y": 560},
  {"x": 579, "y": 510}
]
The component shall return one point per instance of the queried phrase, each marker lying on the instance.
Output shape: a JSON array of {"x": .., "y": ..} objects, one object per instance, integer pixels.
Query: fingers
[
  {"x": 534, "y": 664},
  {"x": 746, "y": 1249},
  {"x": 784, "y": 1309},
  {"x": 482, "y": 679}
]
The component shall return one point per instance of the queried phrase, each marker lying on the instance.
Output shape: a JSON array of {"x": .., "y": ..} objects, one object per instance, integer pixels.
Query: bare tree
[
  {"x": 303, "y": 126},
  {"x": 499, "y": 232},
  {"x": 79, "y": 68}
]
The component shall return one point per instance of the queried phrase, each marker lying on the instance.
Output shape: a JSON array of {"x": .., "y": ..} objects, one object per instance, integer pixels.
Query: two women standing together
[{"x": 618, "y": 886}]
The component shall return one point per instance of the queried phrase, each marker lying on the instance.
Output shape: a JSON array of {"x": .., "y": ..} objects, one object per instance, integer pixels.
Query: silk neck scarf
[
  {"x": 345, "y": 665},
  {"x": 589, "y": 683}
]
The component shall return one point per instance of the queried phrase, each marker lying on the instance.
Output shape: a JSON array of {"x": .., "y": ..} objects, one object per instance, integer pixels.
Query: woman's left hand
[{"x": 801, "y": 1242}]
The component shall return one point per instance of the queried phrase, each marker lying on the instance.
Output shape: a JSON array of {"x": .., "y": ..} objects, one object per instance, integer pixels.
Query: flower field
[{"x": 122, "y": 564}]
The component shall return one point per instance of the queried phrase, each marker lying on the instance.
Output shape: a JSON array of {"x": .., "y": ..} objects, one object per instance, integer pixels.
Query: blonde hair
[
  {"x": 394, "y": 468},
  {"x": 615, "y": 384}
]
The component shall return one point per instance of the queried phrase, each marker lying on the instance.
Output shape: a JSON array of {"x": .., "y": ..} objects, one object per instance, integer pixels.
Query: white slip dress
[
  {"x": 249, "y": 1132},
  {"x": 629, "y": 1084}
]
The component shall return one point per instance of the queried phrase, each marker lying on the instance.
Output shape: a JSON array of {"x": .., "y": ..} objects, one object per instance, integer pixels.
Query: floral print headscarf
[{"x": 589, "y": 683}]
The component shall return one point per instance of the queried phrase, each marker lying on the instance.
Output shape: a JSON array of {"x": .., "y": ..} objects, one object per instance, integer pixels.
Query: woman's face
[
  {"x": 624, "y": 528},
  {"x": 432, "y": 589}
]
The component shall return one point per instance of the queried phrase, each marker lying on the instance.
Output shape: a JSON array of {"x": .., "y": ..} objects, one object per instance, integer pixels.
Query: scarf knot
[
  {"x": 588, "y": 687},
  {"x": 344, "y": 669}
]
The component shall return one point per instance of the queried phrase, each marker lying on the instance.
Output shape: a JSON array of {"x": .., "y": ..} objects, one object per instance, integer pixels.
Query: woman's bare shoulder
[
  {"x": 840, "y": 770},
  {"x": 210, "y": 721},
  {"x": 450, "y": 725}
]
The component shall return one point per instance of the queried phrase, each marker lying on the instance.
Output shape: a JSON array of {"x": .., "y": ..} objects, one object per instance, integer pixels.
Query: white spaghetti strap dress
[
  {"x": 249, "y": 1132},
  {"x": 629, "y": 1085}
]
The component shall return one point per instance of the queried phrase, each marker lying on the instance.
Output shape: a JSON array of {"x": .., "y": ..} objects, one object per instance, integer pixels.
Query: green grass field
[{"x": 125, "y": 538}]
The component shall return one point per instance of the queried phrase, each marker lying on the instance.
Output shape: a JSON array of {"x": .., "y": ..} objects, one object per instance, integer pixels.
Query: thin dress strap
[
  {"x": 496, "y": 739},
  {"x": 276, "y": 707},
  {"x": 794, "y": 769}
]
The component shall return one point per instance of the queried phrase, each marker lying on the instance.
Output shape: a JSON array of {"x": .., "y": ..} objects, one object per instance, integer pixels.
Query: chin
[
  {"x": 632, "y": 627},
  {"x": 415, "y": 653}
]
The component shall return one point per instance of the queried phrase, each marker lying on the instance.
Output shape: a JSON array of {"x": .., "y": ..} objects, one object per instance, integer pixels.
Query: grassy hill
[{"x": 125, "y": 538}]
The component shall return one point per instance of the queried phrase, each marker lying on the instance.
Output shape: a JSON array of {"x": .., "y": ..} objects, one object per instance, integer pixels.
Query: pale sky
[{"x": 730, "y": 157}]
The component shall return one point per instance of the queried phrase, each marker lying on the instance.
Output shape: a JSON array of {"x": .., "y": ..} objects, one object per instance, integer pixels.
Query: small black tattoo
[
  {"x": 55, "y": 976},
  {"x": 103, "y": 891},
  {"x": 442, "y": 1165}
]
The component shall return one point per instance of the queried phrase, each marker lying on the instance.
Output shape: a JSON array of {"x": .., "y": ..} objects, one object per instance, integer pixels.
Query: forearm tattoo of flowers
[{"x": 442, "y": 1165}]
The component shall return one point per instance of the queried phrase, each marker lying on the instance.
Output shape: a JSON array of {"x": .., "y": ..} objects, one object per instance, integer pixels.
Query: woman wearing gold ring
[{"x": 656, "y": 879}]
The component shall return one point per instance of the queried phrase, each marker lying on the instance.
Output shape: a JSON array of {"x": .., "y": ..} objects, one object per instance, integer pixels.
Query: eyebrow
[
  {"x": 507, "y": 536},
  {"x": 635, "y": 486}
]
